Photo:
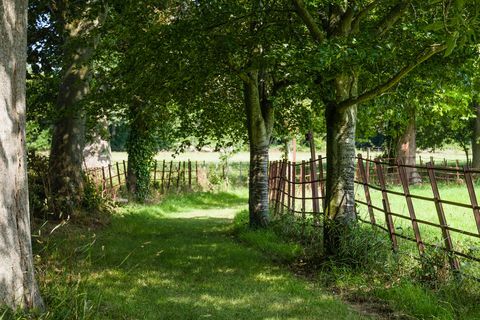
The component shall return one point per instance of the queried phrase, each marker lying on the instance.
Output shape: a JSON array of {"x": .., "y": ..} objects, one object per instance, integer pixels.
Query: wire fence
[{"x": 439, "y": 212}]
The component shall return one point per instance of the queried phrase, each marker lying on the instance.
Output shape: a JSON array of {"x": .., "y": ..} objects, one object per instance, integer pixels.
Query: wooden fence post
[
  {"x": 179, "y": 168},
  {"x": 284, "y": 182},
  {"x": 125, "y": 171},
  {"x": 163, "y": 177},
  {"x": 302, "y": 181},
  {"x": 472, "y": 195},
  {"x": 366, "y": 189},
  {"x": 196, "y": 172},
  {"x": 313, "y": 177},
  {"x": 458, "y": 170},
  {"x": 110, "y": 175},
  {"x": 411, "y": 210},
  {"x": 386, "y": 206},
  {"x": 294, "y": 184},
  {"x": 170, "y": 175},
  {"x": 155, "y": 172},
  {"x": 118, "y": 174},
  {"x": 289, "y": 184},
  {"x": 279, "y": 187},
  {"x": 189, "y": 175},
  {"x": 441, "y": 217},
  {"x": 271, "y": 180},
  {"x": 322, "y": 184},
  {"x": 184, "y": 174},
  {"x": 104, "y": 181}
]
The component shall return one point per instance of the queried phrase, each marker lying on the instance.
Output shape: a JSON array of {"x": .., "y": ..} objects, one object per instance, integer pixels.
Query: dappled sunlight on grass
[{"x": 155, "y": 264}]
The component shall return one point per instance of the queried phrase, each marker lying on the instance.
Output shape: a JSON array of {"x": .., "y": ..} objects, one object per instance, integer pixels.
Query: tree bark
[
  {"x": 141, "y": 149},
  {"x": 68, "y": 141},
  {"x": 18, "y": 288},
  {"x": 476, "y": 135},
  {"x": 340, "y": 194},
  {"x": 97, "y": 152},
  {"x": 341, "y": 125},
  {"x": 407, "y": 149},
  {"x": 259, "y": 123}
]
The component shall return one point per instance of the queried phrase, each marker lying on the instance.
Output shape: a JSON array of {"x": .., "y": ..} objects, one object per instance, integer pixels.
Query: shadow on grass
[{"x": 147, "y": 267}]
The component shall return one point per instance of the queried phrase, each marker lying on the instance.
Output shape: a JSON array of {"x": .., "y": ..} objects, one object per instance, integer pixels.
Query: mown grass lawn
[{"x": 175, "y": 260}]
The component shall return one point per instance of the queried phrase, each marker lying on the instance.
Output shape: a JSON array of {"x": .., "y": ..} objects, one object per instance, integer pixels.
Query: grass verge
[{"x": 174, "y": 260}]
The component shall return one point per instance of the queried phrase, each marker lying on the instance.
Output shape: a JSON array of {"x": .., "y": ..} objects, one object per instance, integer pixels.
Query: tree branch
[
  {"x": 392, "y": 17},
  {"x": 422, "y": 57},
  {"x": 316, "y": 32},
  {"x": 362, "y": 14}
]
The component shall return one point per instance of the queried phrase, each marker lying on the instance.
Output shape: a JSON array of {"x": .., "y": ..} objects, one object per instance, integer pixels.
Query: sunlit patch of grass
[{"x": 153, "y": 263}]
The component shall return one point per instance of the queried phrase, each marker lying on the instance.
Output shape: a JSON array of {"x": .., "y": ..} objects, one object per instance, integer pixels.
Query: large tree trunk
[
  {"x": 259, "y": 122},
  {"x": 68, "y": 141},
  {"x": 18, "y": 288},
  {"x": 407, "y": 149},
  {"x": 476, "y": 135},
  {"x": 340, "y": 194}
]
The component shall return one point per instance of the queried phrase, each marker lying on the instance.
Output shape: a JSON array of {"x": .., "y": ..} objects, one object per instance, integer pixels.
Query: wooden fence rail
[
  {"x": 436, "y": 214},
  {"x": 170, "y": 176}
]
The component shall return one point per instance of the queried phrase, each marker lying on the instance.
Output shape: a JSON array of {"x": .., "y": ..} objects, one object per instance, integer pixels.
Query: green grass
[
  {"x": 175, "y": 260},
  {"x": 457, "y": 217}
]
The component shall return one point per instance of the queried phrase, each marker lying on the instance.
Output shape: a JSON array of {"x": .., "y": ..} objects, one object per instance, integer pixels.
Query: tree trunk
[
  {"x": 68, "y": 141},
  {"x": 407, "y": 149},
  {"x": 97, "y": 152},
  {"x": 476, "y": 135},
  {"x": 18, "y": 288},
  {"x": 141, "y": 149},
  {"x": 340, "y": 199},
  {"x": 259, "y": 122}
]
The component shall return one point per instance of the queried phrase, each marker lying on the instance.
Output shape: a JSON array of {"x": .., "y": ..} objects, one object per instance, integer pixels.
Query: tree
[
  {"x": 75, "y": 23},
  {"x": 18, "y": 288},
  {"x": 207, "y": 56},
  {"x": 351, "y": 38}
]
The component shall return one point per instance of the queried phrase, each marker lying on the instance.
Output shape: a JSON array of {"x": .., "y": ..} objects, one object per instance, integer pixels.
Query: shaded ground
[{"x": 151, "y": 264}]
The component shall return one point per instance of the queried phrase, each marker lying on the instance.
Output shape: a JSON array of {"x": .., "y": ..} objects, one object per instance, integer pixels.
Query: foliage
[
  {"x": 141, "y": 149},
  {"x": 38, "y": 185},
  {"x": 41, "y": 198}
]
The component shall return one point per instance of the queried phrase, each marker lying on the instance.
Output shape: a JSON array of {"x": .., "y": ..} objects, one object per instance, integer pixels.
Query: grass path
[{"x": 179, "y": 260}]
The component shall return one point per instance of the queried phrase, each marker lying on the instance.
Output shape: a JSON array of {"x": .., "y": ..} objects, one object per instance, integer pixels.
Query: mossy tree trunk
[
  {"x": 141, "y": 149},
  {"x": 18, "y": 288},
  {"x": 259, "y": 113},
  {"x": 340, "y": 194}
]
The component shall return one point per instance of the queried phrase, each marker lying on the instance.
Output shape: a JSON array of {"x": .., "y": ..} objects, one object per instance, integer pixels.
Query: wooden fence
[
  {"x": 167, "y": 176},
  {"x": 435, "y": 215}
]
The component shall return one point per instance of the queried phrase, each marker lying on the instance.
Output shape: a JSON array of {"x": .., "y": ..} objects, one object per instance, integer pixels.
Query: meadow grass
[
  {"x": 175, "y": 260},
  {"x": 457, "y": 217}
]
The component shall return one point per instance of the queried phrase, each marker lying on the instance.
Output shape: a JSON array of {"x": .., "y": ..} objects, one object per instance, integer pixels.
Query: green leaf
[{"x": 451, "y": 44}]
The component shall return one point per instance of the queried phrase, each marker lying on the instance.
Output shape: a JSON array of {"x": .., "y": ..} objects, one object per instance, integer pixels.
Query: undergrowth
[{"x": 365, "y": 269}]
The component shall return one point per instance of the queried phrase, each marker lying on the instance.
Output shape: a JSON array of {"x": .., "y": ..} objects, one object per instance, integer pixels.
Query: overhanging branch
[
  {"x": 422, "y": 57},
  {"x": 316, "y": 32},
  {"x": 392, "y": 17},
  {"x": 362, "y": 14}
]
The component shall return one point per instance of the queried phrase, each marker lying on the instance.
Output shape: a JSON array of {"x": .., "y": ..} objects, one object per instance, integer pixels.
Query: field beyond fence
[
  {"x": 438, "y": 214},
  {"x": 171, "y": 176}
]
